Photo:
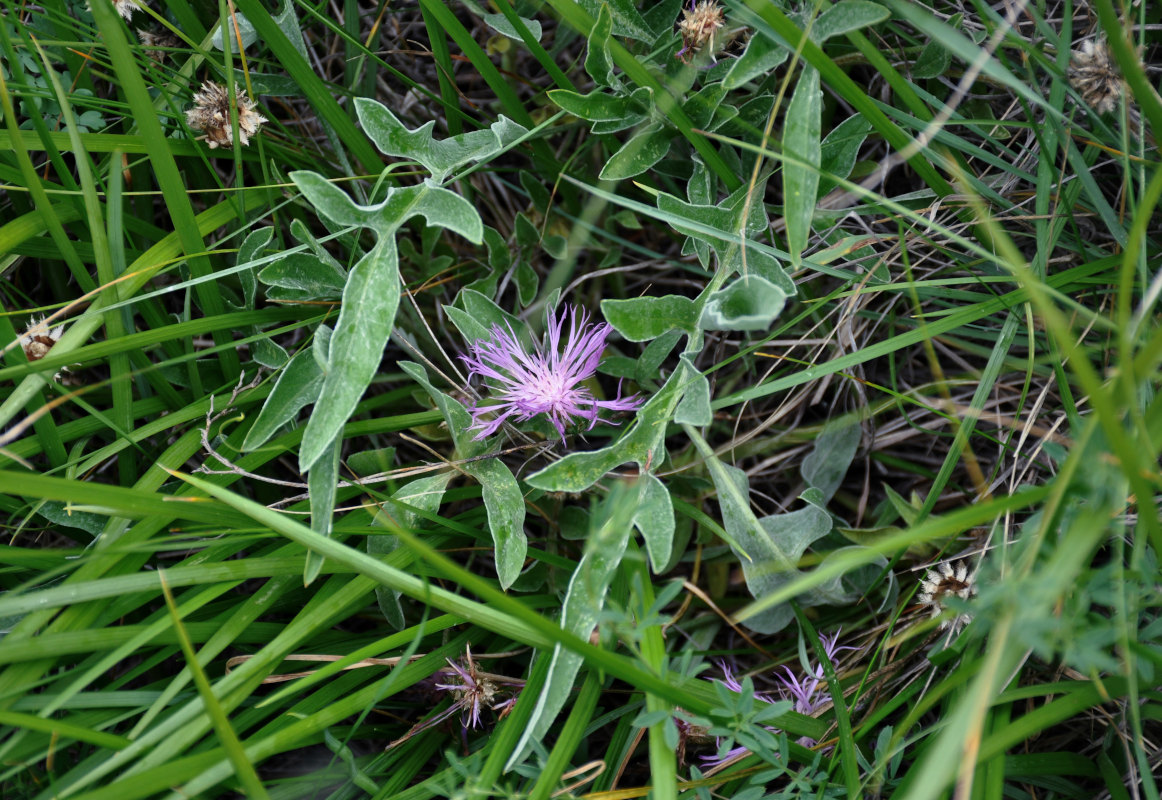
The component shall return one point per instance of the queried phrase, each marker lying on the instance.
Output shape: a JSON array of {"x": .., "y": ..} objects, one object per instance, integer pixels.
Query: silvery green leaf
[
  {"x": 322, "y": 482},
  {"x": 831, "y": 456},
  {"x": 297, "y": 385},
  {"x": 268, "y": 354},
  {"x": 801, "y": 176},
  {"x": 694, "y": 409},
  {"x": 425, "y": 494},
  {"x": 597, "y": 105},
  {"x": 717, "y": 226},
  {"x": 654, "y": 518},
  {"x": 640, "y": 319},
  {"x": 250, "y": 250},
  {"x": 306, "y": 276},
  {"x": 268, "y": 84},
  {"x": 933, "y": 61},
  {"x": 321, "y": 347},
  {"x": 750, "y": 303},
  {"x": 438, "y": 156},
  {"x": 500, "y": 24},
  {"x": 438, "y": 206},
  {"x": 625, "y": 18},
  {"x": 503, "y": 500},
  {"x": 584, "y": 600},
  {"x": 365, "y": 320},
  {"x": 244, "y": 30},
  {"x": 762, "y": 55},
  {"x": 597, "y": 61},
  {"x": 644, "y": 149},
  {"x": 845, "y": 17},
  {"x": 838, "y": 152},
  {"x": 769, "y": 549},
  {"x": 505, "y": 506}
]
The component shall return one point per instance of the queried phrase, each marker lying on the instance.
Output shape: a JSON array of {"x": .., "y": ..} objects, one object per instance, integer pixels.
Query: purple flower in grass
[
  {"x": 809, "y": 694},
  {"x": 544, "y": 380},
  {"x": 471, "y": 690},
  {"x": 470, "y": 693}
]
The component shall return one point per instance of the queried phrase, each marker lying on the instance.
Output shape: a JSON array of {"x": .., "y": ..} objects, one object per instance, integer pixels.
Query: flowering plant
[
  {"x": 808, "y": 696},
  {"x": 548, "y": 379}
]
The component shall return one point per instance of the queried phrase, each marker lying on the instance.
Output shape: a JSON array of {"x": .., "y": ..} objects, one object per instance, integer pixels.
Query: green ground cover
[{"x": 571, "y": 398}]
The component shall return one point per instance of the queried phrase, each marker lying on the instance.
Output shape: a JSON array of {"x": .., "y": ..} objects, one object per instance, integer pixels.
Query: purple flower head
[
  {"x": 730, "y": 682},
  {"x": 469, "y": 693},
  {"x": 726, "y": 757},
  {"x": 545, "y": 380},
  {"x": 809, "y": 694}
]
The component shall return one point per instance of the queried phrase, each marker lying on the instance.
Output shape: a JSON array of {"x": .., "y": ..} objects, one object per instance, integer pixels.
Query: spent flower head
[
  {"x": 699, "y": 23},
  {"x": 1094, "y": 74},
  {"x": 471, "y": 690},
  {"x": 123, "y": 7},
  {"x": 153, "y": 42},
  {"x": 211, "y": 115},
  {"x": 546, "y": 379},
  {"x": 39, "y": 339},
  {"x": 948, "y": 579}
]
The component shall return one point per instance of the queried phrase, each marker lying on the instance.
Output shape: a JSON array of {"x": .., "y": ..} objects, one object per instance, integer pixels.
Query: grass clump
[{"x": 555, "y": 399}]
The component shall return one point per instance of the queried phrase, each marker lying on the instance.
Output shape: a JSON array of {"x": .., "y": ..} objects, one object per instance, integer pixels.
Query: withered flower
[
  {"x": 39, "y": 339},
  {"x": 699, "y": 23},
  {"x": 947, "y": 579},
  {"x": 472, "y": 690},
  {"x": 1095, "y": 76},
  {"x": 123, "y": 7},
  {"x": 151, "y": 41},
  {"x": 211, "y": 115}
]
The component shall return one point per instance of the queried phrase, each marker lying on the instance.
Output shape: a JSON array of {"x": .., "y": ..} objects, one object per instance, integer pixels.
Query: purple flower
[
  {"x": 546, "y": 380},
  {"x": 470, "y": 694},
  {"x": 809, "y": 694},
  {"x": 471, "y": 691}
]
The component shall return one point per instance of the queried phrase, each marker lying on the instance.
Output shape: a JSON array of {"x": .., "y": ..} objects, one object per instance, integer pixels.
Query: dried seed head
[
  {"x": 123, "y": 7},
  {"x": 38, "y": 339},
  {"x": 151, "y": 41},
  {"x": 947, "y": 579},
  {"x": 211, "y": 115},
  {"x": 698, "y": 25},
  {"x": 1095, "y": 76}
]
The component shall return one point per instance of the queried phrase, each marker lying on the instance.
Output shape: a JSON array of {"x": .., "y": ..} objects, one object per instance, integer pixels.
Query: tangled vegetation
[{"x": 580, "y": 398}]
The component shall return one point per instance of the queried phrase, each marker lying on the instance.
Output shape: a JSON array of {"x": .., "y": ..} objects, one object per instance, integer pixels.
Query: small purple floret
[
  {"x": 809, "y": 694},
  {"x": 546, "y": 380}
]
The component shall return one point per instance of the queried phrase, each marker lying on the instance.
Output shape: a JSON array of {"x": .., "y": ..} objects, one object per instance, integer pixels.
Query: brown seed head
[
  {"x": 211, "y": 115},
  {"x": 123, "y": 7},
  {"x": 947, "y": 579},
  {"x": 698, "y": 25},
  {"x": 39, "y": 339},
  {"x": 151, "y": 41},
  {"x": 1095, "y": 76}
]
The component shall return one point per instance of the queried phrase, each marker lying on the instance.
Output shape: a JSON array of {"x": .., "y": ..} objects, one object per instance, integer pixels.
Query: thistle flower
[
  {"x": 808, "y": 695},
  {"x": 152, "y": 41},
  {"x": 472, "y": 691},
  {"x": 1095, "y": 76},
  {"x": 947, "y": 579},
  {"x": 546, "y": 380},
  {"x": 211, "y": 115},
  {"x": 698, "y": 25}
]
